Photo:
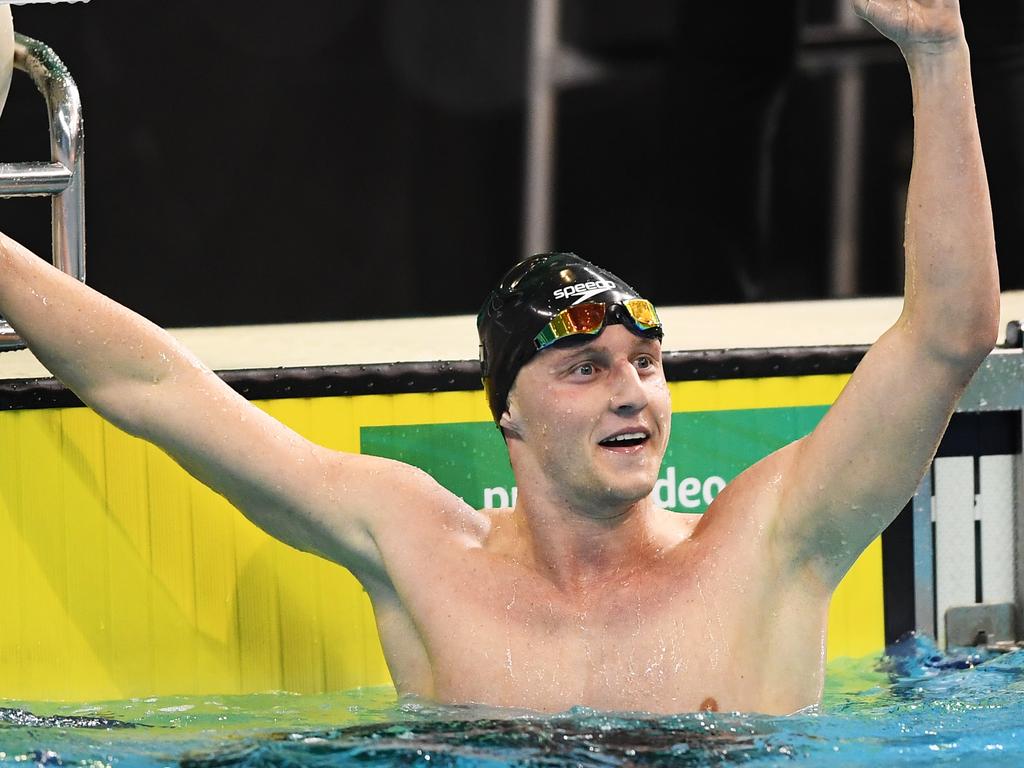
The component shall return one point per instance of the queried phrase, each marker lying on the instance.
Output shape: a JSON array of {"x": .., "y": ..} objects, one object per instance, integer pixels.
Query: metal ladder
[{"x": 62, "y": 177}]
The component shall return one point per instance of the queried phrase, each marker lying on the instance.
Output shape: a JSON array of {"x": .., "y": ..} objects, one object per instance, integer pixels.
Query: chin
[{"x": 631, "y": 492}]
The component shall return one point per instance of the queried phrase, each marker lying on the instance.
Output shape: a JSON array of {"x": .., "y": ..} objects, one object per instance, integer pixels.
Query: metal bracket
[
  {"x": 980, "y": 624},
  {"x": 61, "y": 178}
]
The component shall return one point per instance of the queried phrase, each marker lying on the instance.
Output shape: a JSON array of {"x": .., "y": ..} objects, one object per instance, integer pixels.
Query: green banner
[{"x": 707, "y": 449}]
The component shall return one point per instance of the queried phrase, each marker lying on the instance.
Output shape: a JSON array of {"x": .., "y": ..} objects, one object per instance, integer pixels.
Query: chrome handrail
[{"x": 62, "y": 178}]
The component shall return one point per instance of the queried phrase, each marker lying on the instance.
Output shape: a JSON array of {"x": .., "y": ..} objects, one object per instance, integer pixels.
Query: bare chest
[{"x": 664, "y": 642}]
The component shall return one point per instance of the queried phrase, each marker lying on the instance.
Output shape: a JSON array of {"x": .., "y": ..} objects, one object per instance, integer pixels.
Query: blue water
[{"x": 914, "y": 707}]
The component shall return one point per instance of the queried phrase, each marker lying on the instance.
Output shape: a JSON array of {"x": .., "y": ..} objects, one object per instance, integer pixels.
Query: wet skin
[{"x": 586, "y": 592}]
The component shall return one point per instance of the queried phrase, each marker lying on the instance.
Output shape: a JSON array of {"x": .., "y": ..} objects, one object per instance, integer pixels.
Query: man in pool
[{"x": 586, "y": 592}]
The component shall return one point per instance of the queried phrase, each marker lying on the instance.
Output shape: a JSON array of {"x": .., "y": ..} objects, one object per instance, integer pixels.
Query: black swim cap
[{"x": 527, "y": 297}]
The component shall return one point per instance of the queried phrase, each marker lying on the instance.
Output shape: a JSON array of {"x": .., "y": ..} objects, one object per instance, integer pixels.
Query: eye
[
  {"x": 585, "y": 370},
  {"x": 644, "y": 361}
]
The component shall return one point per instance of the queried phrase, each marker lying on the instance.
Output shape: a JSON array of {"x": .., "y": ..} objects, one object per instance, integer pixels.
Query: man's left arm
[{"x": 844, "y": 483}]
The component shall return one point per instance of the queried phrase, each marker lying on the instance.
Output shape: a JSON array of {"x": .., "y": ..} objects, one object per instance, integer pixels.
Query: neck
[{"x": 578, "y": 549}]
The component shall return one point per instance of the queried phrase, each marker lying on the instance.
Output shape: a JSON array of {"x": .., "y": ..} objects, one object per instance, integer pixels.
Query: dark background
[{"x": 248, "y": 163}]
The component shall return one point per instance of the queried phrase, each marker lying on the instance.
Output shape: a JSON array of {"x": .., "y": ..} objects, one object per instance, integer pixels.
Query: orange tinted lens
[{"x": 583, "y": 318}]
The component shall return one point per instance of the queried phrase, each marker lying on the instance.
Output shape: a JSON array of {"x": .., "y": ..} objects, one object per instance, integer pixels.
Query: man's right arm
[{"x": 142, "y": 380}]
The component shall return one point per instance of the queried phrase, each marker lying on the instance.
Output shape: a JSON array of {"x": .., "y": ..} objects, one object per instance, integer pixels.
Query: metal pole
[
  {"x": 924, "y": 559},
  {"x": 843, "y": 273},
  {"x": 63, "y": 176},
  {"x": 541, "y": 106},
  {"x": 1018, "y": 539},
  {"x": 32, "y": 179},
  {"x": 64, "y": 112}
]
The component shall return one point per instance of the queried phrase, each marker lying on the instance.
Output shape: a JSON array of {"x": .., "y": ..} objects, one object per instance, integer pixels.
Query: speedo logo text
[{"x": 584, "y": 290}]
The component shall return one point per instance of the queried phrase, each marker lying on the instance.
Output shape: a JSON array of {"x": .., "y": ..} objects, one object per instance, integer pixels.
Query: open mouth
[{"x": 625, "y": 440}]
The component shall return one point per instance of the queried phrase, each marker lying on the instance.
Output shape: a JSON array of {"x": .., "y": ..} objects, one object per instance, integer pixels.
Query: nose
[{"x": 628, "y": 393}]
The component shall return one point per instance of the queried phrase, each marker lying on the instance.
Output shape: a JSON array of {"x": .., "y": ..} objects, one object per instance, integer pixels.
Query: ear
[{"x": 509, "y": 424}]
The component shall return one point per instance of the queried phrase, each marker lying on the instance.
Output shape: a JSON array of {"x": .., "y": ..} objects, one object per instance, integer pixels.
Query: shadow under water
[{"x": 574, "y": 739}]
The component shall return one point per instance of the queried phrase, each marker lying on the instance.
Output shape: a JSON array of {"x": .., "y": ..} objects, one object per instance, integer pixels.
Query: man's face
[{"x": 595, "y": 417}]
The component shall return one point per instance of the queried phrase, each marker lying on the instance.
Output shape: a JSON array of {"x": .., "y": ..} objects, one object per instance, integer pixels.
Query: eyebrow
[
  {"x": 592, "y": 348},
  {"x": 572, "y": 355}
]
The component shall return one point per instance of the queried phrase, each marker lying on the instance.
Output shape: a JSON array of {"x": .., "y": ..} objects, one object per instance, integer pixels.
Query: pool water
[{"x": 914, "y": 707}]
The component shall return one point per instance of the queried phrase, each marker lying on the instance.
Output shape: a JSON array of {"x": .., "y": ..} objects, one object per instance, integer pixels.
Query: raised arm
[
  {"x": 842, "y": 485},
  {"x": 141, "y": 379}
]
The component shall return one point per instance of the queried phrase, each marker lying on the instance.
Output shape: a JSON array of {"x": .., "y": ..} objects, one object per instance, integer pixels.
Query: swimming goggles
[{"x": 590, "y": 319}]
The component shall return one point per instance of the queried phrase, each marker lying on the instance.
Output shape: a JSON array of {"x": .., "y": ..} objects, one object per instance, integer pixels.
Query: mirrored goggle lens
[
  {"x": 589, "y": 319},
  {"x": 643, "y": 314},
  {"x": 583, "y": 318}
]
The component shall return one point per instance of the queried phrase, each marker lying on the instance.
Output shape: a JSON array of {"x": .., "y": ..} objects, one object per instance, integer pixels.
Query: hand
[{"x": 914, "y": 24}]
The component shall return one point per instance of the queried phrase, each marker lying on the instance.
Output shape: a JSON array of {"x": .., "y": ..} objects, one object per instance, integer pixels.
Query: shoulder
[
  {"x": 399, "y": 499},
  {"x": 749, "y": 507},
  {"x": 759, "y": 489}
]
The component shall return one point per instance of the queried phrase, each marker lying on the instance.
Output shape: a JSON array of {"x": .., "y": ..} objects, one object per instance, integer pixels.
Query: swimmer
[{"x": 587, "y": 593}]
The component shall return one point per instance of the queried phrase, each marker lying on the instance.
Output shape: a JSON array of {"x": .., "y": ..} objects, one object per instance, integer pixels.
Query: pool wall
[{"x": 126, "y": 577}]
